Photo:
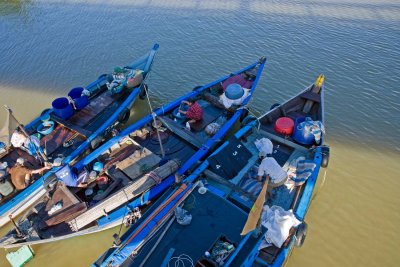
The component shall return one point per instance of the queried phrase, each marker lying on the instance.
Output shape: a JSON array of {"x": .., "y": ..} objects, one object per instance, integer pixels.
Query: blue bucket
[
  {"x": 302, "y": 136},
  {"x": 80, "y": 100},
  {"x": 62, "y": 108},
  {"x": 179, "y": 116}
]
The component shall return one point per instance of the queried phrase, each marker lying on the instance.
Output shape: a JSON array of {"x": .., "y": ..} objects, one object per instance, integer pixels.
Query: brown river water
[{"x": 50, "y": 46}]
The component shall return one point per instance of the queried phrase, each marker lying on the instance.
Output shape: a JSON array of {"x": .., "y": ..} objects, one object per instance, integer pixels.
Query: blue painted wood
[
  {"x": 168, "y": 257},
  {"x": 237, "y": 250},
  {"x": 165, "y": 109},
  {"x": 18, "y": 201},
  {"x": 305, "y": 200},
  {"x": 120, "y": 255}
]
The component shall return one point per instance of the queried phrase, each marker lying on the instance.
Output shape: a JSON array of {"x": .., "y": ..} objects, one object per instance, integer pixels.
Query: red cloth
[
  {"x": 239, "y": 79},
  {"x": 194, "y": 112}
]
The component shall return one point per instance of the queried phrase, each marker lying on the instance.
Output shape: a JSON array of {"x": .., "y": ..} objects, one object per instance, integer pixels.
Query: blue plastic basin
[
  {"x": 62, "y": 108},
  {"x": 49, "y": 125},
  {"x": 80, "y": 100},
  {"x": 234, "y": 91}
]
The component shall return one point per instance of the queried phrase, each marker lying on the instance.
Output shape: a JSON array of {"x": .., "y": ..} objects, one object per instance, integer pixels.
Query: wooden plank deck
[
  {"x": 56, "y": 139},
  {"x": 124, "y": 195},
  {"x": 95, "y": 107},
  {"x": 138, "y": 162},
  {"x": 180, "y": 131}
]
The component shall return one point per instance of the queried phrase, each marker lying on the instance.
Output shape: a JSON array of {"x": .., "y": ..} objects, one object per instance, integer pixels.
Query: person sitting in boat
[
  {"x": 21, "y": 175},
  {"x": 269, "y": 166},
  {"x": 194, "y": 112},
  {"x": 19, "y": 140},
  {"x": 29, "y": 144}
]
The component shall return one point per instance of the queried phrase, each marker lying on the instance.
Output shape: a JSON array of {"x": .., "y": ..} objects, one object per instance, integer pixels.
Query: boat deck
[
  {"x": 11, "y": 159},
  {"x": 212, "y": 217},
  {"x": 53, "y": 143},
  {"x": 196, "y": 135},
  {"x": 89, "y": 119},
  {"x": 126, "y": 163},
  {"x": 173, "y": 145}
]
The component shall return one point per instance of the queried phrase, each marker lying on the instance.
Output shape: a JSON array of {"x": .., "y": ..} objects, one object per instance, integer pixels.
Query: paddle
[
  {"x": 256, "y": 210},
  {"x": 298, "y": 190}
]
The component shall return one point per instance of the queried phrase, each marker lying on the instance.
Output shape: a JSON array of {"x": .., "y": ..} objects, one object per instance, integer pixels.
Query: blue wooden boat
[
  {"x": 203, "y": 222},
  {"x": 72, "y": 126},
  {"x": 133, "y": 169}
]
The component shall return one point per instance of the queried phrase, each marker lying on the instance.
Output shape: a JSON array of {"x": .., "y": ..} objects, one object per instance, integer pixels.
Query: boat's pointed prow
[{"x": 319, "y": 81}]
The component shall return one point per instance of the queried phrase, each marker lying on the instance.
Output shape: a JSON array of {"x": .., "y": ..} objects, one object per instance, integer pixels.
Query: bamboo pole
[{"x": 24, "y": 131}]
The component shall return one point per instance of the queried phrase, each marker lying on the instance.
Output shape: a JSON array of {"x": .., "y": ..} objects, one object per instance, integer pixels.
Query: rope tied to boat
[{"x": 71, "y": 101}]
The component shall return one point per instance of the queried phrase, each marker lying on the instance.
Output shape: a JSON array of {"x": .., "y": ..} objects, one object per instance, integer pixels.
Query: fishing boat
[
  {"x": 74, "y": 125},
  {"x": 121, "y": 178},
  {"x": 223, "y": 214}
]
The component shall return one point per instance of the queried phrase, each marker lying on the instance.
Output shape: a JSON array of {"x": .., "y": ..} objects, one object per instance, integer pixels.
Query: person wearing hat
[
  {"x": 269, "y": 166},
  {"x": 21, "y": 175}
]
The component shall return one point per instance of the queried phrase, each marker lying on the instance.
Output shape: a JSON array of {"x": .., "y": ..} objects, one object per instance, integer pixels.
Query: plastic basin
[
  {"x": 62, "y": 108},
  {"x": 80, "y": 100}
]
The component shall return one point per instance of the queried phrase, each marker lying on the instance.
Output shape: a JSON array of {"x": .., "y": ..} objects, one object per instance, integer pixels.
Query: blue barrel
[
  {"x": 302, "y": 135},
  {"x": 62, "y": 108},
  {"x": 80, "y": 100}
]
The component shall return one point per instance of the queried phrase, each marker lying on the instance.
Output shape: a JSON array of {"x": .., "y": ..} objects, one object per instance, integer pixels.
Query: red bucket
[{"x": 284, "y": 125}]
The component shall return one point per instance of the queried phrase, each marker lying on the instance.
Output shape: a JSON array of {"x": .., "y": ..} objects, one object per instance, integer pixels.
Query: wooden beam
[{"x": 215, "y": 177}]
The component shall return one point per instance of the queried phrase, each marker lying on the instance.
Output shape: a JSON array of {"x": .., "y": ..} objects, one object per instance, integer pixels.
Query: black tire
[
  {"x": 244, "y": 115},
  {"x": 143, "y": 91},
  {"x": 197, "y": 87},
  {"x": 325, "y": 156},
  {"x": 274, "y": 106},
  {"x": 247, "y": 120},
  {"x": 124, "y": 116},
  {"x": 301, "y": 233}
]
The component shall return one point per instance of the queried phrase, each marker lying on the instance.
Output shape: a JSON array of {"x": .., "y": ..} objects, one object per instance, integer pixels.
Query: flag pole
[{"x": 24, "y": 132}]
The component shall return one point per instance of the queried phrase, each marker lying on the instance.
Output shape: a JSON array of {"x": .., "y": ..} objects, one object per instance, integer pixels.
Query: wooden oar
[
  {"x": 298, "y": 190},
  {"x": 256, "y": 210}
]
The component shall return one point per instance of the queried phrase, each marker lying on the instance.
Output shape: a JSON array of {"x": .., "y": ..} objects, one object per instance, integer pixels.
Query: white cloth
[
  {"x": 272, "y": 168},
  {"x": 278, "y": 222},
  {"x": 316, "y": 128},
  {"x": 3, "y": 165},
  {"x": 265, "y": 146},
  {"x": 229, "y": 102},
  {"x": 18, "y": 139}
]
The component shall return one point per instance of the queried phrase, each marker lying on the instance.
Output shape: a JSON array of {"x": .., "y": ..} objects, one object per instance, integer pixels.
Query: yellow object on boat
[
  {"x": 320, "y": 80},
  {"x": 255, "y": 212}
]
